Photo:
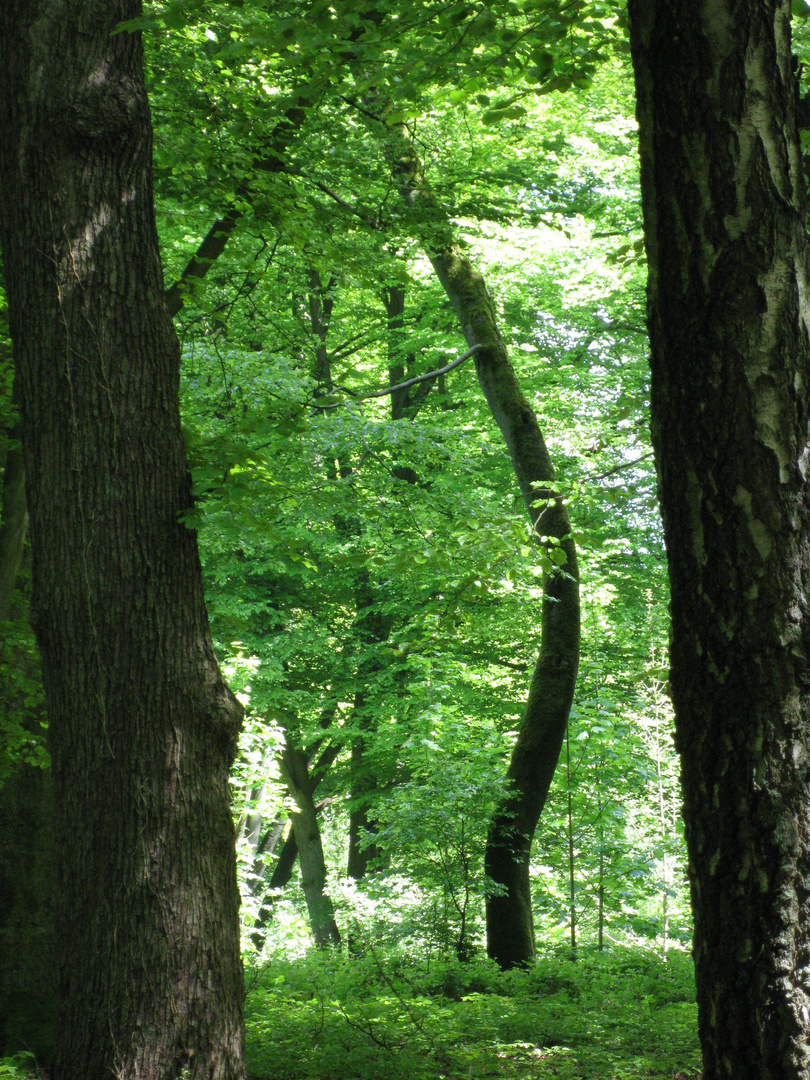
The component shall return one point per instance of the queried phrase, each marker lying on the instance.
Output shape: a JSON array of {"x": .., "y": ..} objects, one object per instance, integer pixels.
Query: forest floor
[
  {"x": 619, "y": 1016},
  {"x": 623, "y": 1015}
]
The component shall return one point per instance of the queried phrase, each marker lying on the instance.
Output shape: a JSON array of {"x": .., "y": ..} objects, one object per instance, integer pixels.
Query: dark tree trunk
[
  {"x": 142, "y": 727},
  {"x": 510, "y": 929},
  {"x": 27, "y": 939},
  {"x": 14, "y": 521},
  {"x": 364, "y": 851},
  {"x": 14, "y": 514},
  {"x": 272, "y": 159},
  {"x": 371, "y": 630},
  {"x": 724, "y": 214}
]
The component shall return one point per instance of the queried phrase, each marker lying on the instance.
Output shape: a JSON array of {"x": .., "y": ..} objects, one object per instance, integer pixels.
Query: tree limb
[{"x": 403, "y": 385}]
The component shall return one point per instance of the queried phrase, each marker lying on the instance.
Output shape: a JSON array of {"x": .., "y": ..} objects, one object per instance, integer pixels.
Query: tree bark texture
[
  {"x": 142, "y": 727},
  {"x": 510, "y": 929},
  {"x": 724, "y": 213}
]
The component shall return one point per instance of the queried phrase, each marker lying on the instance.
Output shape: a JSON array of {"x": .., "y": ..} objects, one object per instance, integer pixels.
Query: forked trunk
[{"x": 304, "y": 820}]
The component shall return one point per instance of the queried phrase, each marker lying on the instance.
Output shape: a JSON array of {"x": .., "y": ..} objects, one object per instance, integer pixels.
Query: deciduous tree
[
  {"x": 142, "y": 727},
  {"x": 510, "y": 926},
  {"x": 724, "y": 214}
]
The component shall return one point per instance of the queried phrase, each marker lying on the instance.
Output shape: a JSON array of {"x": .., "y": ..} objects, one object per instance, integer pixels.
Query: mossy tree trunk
[
  {"x": 510, "y": 928},
  {"x": 142, "y": 727},
  {"x": 729, "y": 319}
]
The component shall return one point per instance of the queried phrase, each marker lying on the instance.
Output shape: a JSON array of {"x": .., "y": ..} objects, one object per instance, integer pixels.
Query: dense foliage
[
  {"x": 372, "y": 582},
  {"x": 622, "y": 1016},
  {"x": 303, "y": 508}
]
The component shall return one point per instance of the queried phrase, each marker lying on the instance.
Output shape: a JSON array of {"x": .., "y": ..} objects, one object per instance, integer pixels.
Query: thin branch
[
  {"x": 201, "y": 261},
  {"x": 497, "y": 661},
  {"x": 339, "y": 357},
  {"x": 359, "y": 214},
  {"x": 403, "y": 385},
  {"x": 617, "y": 468}
]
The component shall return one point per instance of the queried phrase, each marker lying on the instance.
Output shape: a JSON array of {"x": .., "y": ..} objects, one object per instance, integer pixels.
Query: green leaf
[
  {"x": 497, "y": 116},
  {"x": 559, "y": 82}
]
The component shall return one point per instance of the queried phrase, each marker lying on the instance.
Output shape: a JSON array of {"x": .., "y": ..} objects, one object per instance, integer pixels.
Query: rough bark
[
  {"x": 142, "y": 727},
  {"x": 724, "y": 213},
  {"x": 510, "y": 929}
]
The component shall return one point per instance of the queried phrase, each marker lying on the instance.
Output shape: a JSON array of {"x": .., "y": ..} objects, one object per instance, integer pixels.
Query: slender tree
[
  {"x": 510, "y": 926},
  {"x": 724, "y": 219},
  {"x": 142, "y": 727},
  {"x": 307, "y": 835}
]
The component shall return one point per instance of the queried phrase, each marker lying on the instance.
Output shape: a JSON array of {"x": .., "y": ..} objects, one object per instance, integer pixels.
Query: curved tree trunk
[
  {"x": 142, "y": 727},
  {"x": 510, "y": 930},
  {"x": 729, "y": 318}
]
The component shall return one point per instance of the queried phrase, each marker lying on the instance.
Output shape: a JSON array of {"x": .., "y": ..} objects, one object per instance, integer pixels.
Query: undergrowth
[{"x": 619, "y": 1016}]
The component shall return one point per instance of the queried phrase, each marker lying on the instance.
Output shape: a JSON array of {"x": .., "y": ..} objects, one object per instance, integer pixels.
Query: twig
[
  {"x": 366, "y": 1029},
  {"x": 617, "y": 468},
  {"x": 403, "y": 385}
]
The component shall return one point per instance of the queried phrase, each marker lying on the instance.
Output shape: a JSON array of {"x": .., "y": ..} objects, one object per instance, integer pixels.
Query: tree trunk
[
  {"x": 14, "y": 522},
  {"x": 371, "y": 630},
  {"x": 310, "y": 849},
  {"x": 27, "y": 939},
  {"x": 142, "y": 727},
  {"x": 282, "y": 871},
  {"x": 510, "y": 929},
  {"x": 724, "y": 214}
]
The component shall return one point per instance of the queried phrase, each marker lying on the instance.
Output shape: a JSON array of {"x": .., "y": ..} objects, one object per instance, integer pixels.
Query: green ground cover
[{"x": 620, "y": 1016}]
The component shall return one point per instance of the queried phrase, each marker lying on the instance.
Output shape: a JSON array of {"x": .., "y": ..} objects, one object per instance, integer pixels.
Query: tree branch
[{"x": 403, "y": 385}]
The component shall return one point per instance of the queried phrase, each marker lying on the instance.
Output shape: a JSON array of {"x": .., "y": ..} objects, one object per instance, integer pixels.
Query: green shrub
[
  {"x": 20, "y": 1067},
  {"x": 611, "y": 1016}
]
